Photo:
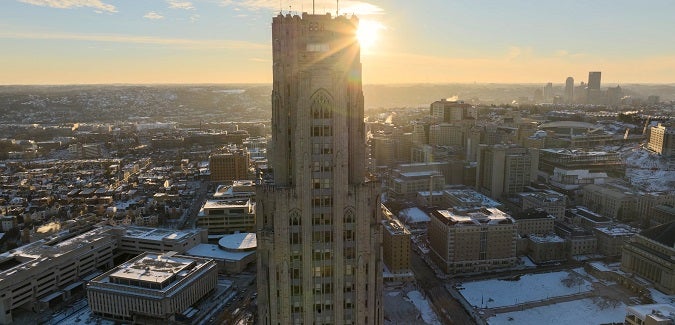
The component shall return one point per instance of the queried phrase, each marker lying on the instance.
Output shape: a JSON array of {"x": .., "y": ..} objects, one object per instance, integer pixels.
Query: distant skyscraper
[
  {"x": 548, "y": 92},
  {"x": 569, "y": 90},
  {"x": 319, "y": 223},
  {"x": 594, "y": 95},
  {"x": 594, "y": 80}
]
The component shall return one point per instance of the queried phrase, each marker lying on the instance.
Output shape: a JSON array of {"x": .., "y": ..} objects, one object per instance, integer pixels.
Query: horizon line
[{"x": 365, "y": 84}]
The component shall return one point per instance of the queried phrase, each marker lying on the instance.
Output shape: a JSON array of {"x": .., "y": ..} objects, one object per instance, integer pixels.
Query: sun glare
[{"x": 368, "y": 33}]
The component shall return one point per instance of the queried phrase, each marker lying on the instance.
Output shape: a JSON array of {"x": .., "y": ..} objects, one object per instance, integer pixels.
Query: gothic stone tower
[{"x": 318, "y": 224}]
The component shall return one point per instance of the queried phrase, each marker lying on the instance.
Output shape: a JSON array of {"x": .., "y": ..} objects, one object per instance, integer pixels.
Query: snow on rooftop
[
  {"x": 654, "y": 309},
  {"x": 599, "y": 266},
  {"x": 530, "y": 287},
  {"x": 216, "y": 253},
  {"x": 156, "y": 233},
  {"x": 152, "y": 268},
  {"x": 413, "y": 215},
  {"x": 471, "y": 197},
  {"x": 661, "y": 298},
  {"x": 476, "y": 217},
  {"x": 421, "y": 173},
  {"x": 221, "y": 204},
  {"x": 241, "y": 241},
  {"x": 546, "y": 239},
  {"x": 618, "y": 230}
]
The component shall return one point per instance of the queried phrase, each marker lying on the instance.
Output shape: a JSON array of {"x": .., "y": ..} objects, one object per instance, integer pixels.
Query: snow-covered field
[
  {"x": 530, "y": 287},
  {"x": 648, "y": 171},
  {"x": 584, "y": 311}
]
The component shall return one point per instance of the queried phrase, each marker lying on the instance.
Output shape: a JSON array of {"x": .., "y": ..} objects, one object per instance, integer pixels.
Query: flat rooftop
[
  {"x": 239, "y": 242},
  {"x": 471, "y": 197},
  {"x": 544, "y": 196},
  {"x": 546, "y": 239},
  {"x": 394, "y": 227},
  {"x": 618, "y": 230},
  {"x": 583, "y": 212},
  {"x": 217, "y": 253},
  {"x": 151, "y": 268},
  {"x": 477, "y": 217},
  {"x": 158, "y": 234},
  {"x": 661, "y": 312},
  {"x": 222, "y": 204}
]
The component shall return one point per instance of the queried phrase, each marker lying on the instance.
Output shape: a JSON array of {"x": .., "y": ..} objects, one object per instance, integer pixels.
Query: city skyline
[{"x": 175, "y": 41}]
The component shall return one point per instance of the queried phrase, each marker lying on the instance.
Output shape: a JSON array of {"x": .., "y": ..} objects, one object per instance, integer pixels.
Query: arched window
[
  {"x": 294, "y": 218},
  {"x": 349, "y": 215},
  {"x": 322, "y": 106}
]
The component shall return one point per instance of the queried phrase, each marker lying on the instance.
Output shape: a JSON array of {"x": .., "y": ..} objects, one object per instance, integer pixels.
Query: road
[
  {"x": 449, "y": 311},
  {"x": 239, "y": 307},
  {"x": 197, "y": 202}
]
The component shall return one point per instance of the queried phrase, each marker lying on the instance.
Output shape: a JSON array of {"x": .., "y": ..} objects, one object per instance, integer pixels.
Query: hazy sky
[{"x": 426, "y": 41}]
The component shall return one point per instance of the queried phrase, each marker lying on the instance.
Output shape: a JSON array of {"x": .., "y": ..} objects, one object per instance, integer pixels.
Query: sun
[{"x": 368, "y": 33}]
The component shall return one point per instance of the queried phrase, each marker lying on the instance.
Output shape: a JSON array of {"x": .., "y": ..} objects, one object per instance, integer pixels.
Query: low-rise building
[
  {"x": 551, "y": 201},
  {"x": 610, "y": 201},
  {"x": 221, "y": 217},
  {"x": 580, "y": 241},
  {"x": 612, "y": 238},
  {"x": 408, "y": 179},
  {"x": 240, "y": 189},
  {"x": 586, "y": 218},
  {"x": 534, "y": 221},
  {"x": 654, "y": 314},
  {"x": 396, "y": 249},
  {"x": 472, "y": 241},
  {"x": 650, "y": 255},
  {"x": 416, "y": 220},
  {"x": 136, "y": 240},
  {"x": 42, "y": 273},
  {"x": 151, "y": 287},
  {"x": 546, "y": 248},
  {"x": 233, "y": 254},
  {"x": 467, "y": 198},
  {"x": 662, "y": 214}
]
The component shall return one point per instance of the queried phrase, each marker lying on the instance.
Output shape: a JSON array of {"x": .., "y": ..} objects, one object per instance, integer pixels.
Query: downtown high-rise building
[
  {"x": 594, "y": 80},
  {"x": 319, "y": 230},
  {"x": 569, "y": 90},
  {"x": 593, "y": 92}
]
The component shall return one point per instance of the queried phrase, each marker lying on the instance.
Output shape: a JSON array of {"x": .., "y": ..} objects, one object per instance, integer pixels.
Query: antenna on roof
[
  {"x": 337, "y": 12},
  {"x": 312, "y": 7}
]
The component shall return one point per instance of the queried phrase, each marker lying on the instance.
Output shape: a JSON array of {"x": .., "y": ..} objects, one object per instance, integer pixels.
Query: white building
[
  {"x": 222, "y": 216},
  {"x": 151, "y": 287},
  {"x": 233, "y": 254},
  {"x": 655, "y": 314},
  {"x": 38, "y": 274},
  {"x": 136, "y": 240}
]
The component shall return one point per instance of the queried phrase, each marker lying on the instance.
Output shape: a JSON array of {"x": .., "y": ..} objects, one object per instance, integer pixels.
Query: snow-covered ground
[
  {"x": 648, "y": 171},
  {"x": 526, "y": 262},
  {"x": 422, "y": 305},
  {"x": 404, "y": 304},
  {"x": 530, "y": 287},
  {"x": 662, "y": 298},
  {"x": 584, "y": 311}
]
